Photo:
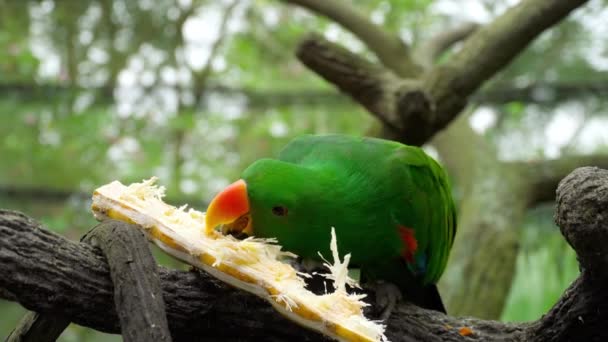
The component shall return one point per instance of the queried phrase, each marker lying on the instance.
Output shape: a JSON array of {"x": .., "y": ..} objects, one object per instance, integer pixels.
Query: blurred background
[{"x": 191, "y": 91}]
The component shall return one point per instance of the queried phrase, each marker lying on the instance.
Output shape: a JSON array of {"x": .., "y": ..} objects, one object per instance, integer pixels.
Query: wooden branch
[
  {"x": 392, "y": 52},
  {"x": 137, "y": 292},
  {"x": 49, "y": 274},
  {"x": 46, "y": 273},
  {"x": 437, "y": 45},
  {"x": 544, "y": 175},
  {"x": 376, "y": 88},
  {"x": 487, "y": 51},
  {"x": 493, "y": 46},
  {"x": 415, "y": 109},
  {"x": 585, "y": 230}
]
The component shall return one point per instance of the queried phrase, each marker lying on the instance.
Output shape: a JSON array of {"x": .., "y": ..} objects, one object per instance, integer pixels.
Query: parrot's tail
[{"x": 431, "y": 299}]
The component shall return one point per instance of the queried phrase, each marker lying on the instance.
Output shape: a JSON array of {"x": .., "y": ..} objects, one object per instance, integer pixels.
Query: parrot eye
[{"x": 279, "y": 210}]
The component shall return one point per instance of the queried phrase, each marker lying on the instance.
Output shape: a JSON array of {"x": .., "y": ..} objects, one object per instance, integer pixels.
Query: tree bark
[
  {"x": 136, "y": 285},
  {"x": 441, "y": 92},
  {"x": 46, "y": 273}
]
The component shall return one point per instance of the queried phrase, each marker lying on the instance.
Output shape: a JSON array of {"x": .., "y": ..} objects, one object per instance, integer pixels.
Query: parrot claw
[{"x": 387, "y": 297}]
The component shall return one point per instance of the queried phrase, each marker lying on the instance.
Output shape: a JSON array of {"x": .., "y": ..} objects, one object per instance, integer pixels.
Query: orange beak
[{"x": 230, "y": 209}]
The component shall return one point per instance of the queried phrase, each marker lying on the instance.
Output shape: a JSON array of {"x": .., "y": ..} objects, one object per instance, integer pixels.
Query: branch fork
[{"x": 447, "y": 86}]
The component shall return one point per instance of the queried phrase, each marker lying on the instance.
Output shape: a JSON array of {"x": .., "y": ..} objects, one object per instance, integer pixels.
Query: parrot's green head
[{"x": 273, "y": 199}]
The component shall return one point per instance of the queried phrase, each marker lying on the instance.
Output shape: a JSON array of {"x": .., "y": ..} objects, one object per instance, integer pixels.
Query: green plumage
[{"x": 377, "y": 194}]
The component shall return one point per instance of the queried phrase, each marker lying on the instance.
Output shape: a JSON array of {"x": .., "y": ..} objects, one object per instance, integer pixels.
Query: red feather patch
[{"x": 410, "y": 245}]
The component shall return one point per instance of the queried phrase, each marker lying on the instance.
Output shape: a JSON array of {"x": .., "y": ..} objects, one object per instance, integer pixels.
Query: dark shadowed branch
[
  {"x": 137, "y": 292},
  {"x": 493, "y": 46},
  {"x": 374, "y": 87},
  {"x": 49, "y": 274},
  {"x": 544, "y": 175}
]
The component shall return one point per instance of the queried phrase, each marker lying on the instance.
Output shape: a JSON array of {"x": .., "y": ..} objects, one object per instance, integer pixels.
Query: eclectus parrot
[{"x": 390, "y": 205}]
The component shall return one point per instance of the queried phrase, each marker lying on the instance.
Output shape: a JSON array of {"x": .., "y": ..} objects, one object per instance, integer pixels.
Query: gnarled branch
[
  {"x": 49, "y": 274},
  {"x": 544, "y": 175},
  {"x": 379, "y": 90},
  {"x": 137, "y": 292},
  {"x": 445, "y": 88}
]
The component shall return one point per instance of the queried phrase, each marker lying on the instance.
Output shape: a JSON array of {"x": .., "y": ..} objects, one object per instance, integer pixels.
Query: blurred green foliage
[
  {"x": 546, "y": 266},
  {"x": 98, "y": 90}
]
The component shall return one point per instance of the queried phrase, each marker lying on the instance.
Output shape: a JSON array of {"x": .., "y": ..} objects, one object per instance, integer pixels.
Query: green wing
[
  {"x": 424, "y": 194},
  {"x": 431, "y": 211}
]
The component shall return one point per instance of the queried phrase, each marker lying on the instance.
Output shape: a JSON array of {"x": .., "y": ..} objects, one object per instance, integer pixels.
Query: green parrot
[{"x": 390, "y": 205}]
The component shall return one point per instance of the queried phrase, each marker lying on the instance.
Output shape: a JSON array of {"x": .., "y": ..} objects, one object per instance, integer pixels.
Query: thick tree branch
[
  {"x": 417, "y": 108},
  {"x": 582, "y": 215},
  {"x": 437, "y": 45},
  {"x": 137, "y": 292},
  {"x": 544, "y": 175},
  {"x": 46, "y": 273},
  {"x": 376, "y": 88},
  {"x": 389, "y": 48},
  {"x": 486, "y": 52},
  {"x": 493, "y": 46}
]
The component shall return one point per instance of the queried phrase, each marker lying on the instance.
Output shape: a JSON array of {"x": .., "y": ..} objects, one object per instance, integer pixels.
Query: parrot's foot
[{"x": 387, "y": 297}]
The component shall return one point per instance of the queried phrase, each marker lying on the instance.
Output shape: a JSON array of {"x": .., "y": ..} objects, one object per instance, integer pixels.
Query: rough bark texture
[
  {"x": 373, "y": 86},
  {"x": 46, "y": 273},
  {"x": 137, "y": 292}
]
